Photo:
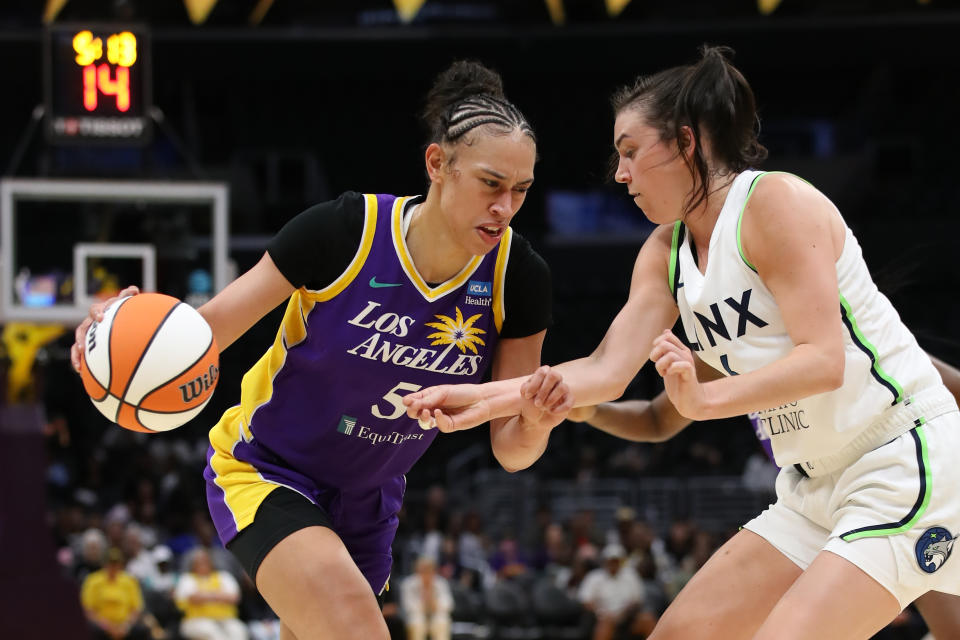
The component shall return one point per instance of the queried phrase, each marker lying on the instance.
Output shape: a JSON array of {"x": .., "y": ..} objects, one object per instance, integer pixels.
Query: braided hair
[{"x": 468, "y": 96}]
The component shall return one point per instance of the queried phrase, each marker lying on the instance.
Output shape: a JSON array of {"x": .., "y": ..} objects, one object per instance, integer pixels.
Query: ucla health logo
[
  {"x": 478, "y": 288},
  {"x": 934, "y": 548}
]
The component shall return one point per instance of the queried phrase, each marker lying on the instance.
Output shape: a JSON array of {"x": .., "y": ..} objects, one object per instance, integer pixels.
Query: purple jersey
[
  {"x": 321, "y": 412},
  {"x": 761, "y": 435}
]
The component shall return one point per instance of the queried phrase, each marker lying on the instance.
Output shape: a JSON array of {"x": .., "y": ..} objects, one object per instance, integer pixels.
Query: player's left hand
[{"x": 674, "y": 361}]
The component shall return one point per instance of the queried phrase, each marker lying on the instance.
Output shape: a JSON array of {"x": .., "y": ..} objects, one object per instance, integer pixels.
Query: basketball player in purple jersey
[
  {"x": 657, "y": 420},
  {"x": 387, "y": 295}
]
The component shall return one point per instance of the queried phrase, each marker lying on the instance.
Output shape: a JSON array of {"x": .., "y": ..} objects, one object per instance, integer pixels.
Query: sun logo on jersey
[
  {"x": 934, "y": 548},
  {"x": 459, "y": 332}
]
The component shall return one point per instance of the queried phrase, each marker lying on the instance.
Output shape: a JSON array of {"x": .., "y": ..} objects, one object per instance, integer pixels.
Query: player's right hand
[{"x": 95, "y": 315}]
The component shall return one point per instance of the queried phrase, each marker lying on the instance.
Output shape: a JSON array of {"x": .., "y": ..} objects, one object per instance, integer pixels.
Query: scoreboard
[{"x": 97, "y": 83}]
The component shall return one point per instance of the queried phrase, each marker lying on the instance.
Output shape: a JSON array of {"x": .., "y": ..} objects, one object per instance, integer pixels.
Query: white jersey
[{"x": 734, "y": 324}]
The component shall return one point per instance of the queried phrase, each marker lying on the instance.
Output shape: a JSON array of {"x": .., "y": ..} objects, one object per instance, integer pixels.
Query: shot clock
[{"x": 97, "y": 83}]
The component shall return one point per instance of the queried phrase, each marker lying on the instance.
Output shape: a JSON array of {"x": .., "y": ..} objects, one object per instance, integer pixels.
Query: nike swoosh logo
[{"x": 380, "y": 285}]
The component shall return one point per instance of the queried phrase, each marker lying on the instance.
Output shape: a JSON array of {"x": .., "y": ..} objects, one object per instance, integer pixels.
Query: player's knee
[{"x": 338, "y": 581}]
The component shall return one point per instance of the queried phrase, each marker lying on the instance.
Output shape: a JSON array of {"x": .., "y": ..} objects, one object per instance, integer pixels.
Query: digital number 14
[{"x": 97, "y": 80}]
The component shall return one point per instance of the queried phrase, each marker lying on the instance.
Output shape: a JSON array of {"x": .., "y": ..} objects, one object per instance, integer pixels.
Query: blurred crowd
[{"x": 129, "y": 521}]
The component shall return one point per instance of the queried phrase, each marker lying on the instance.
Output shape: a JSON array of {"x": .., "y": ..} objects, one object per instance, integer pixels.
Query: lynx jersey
[
  {"x": 322, "y": 409},
  {"x": 733, "y": 323}
]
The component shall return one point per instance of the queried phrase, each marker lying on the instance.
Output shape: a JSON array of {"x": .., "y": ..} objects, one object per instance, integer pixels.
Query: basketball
[{"x": 151, "y": 364}]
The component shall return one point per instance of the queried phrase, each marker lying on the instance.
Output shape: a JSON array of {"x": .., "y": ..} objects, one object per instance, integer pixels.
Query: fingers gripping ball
[{"x": 151, "y": 364}]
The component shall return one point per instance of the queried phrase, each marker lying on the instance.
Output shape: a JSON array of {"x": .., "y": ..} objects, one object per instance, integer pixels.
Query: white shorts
[{"x": 894, "y": 513}]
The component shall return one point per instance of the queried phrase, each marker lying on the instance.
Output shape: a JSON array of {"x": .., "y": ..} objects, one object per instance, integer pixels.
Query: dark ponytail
[
  {"x": 711, "y": 96},
  {"x": 468, "y": 95}
]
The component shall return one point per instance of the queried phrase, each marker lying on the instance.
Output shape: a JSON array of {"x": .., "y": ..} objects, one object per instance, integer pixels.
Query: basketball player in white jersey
[
  {"x": 772, "y": 291},
  {"x": 657, "y": 420}
]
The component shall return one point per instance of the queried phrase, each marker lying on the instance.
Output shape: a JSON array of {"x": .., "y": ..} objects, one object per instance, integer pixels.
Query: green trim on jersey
[
  {"x": 673, "y": 257},
  {"x": 923, "y": 499},
  {"x": 747, "y": 199},
  {"x": 740, "y": 220},
  {"x": 861, "y": 341}
]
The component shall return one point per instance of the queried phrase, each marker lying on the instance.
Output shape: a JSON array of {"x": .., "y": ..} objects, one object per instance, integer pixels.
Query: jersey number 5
[{"x": 395, "y": 400}]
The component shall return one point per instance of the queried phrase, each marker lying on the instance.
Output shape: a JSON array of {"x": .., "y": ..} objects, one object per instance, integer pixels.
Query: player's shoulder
[
  {"x": 778, "y": 190},
  {"x": 523, "y": 255},
  {"x": 661, "y": 240},
  {"x": 348, "y": 203}
]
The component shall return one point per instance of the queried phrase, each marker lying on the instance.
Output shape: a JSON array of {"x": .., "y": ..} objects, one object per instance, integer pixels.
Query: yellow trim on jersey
[
  {"x": 256, "y": 388},
  {"x": 369, "y": 227},
  {"x": 500, "y": 279},
  {"x": 400, "y": 244},
  {"x": 243, "y": 486}
]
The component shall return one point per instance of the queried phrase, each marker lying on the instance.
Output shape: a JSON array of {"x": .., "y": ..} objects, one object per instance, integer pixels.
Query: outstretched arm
[
  {"x": 638, "y": 420},
  {"x": 599, "y": 377},
  {"x": 518, "y": 441},
  {"x": 655, "y": 420},
  {"x": 245, "y": 300}
]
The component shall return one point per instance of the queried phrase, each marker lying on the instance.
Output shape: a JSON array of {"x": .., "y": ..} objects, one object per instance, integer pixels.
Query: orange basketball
[{"x": 151, "y": 364}]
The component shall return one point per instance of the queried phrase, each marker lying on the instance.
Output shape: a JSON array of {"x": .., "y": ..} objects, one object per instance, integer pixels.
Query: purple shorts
[{"x": 253, "y": 513}]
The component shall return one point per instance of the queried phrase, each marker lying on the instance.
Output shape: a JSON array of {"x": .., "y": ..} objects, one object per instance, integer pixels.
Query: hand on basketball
[
  {"x": 546, "y": 398},
  {"x": 674, "y": 361},
  {"x": 96, "y": 315}
]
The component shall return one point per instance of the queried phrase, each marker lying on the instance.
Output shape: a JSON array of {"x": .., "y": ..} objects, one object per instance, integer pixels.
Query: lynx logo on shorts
[{"x": 934, "y": 548}]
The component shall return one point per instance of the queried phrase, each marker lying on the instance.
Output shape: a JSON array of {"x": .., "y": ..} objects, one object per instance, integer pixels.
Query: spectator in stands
[
  {"x": 142, "y": 564},
  {"x": 473, "y": 543},
  {"x": 93, "y": 546},
  {"x": 583, "y": 529},
  {"x": 555, "y": 549},
  {"x": 112, "y": 601},
  {"x": 614, "y": 594},
  {"x": 427, "y": 602},
  {"x": 509, "y": 561},
  {"x": 209, "y": 600},
  {"x": 166, "y": 577},
  {"x": 570, "y": 578},
  {"x": 448, "y": 563}
]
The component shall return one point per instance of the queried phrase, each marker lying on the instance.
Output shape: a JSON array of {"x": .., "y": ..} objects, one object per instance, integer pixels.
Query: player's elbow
[
  {"x": 832, "y": 367},
  {"x": 511, "y": 465}
]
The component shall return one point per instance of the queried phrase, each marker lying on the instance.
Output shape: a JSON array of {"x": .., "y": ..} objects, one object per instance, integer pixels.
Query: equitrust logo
[
  {"x": 348, "y": 427},
  {"x": 347, "y": 423}
]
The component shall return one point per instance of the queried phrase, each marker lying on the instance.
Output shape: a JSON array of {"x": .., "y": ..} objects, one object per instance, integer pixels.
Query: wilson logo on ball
[{"x": 198, "y": 385}]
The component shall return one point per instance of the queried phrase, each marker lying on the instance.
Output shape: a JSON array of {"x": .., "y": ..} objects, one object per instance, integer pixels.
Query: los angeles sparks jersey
[
  {"x": 323, "y": 406},
  {"x": 734, "y": 324}
]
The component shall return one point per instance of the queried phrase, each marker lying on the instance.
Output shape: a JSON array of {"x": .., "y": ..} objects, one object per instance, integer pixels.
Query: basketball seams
[
  {"x": 143, "y": 351},
  {"x": 109, "y": 360},
  {"x": 158, "y": 428},
  {"x": 210, "y": 345}
]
